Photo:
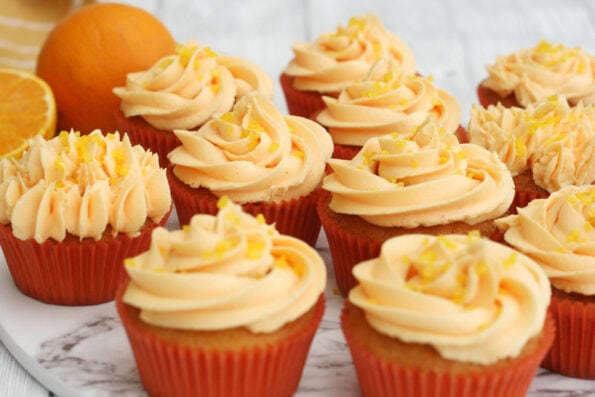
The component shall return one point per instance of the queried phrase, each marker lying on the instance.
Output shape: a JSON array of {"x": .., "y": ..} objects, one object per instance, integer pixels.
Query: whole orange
[{"x": 90, "y": 52}]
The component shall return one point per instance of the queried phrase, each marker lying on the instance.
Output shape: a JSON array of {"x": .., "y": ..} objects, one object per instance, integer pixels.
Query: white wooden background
[{"x": 452, "y": 40}]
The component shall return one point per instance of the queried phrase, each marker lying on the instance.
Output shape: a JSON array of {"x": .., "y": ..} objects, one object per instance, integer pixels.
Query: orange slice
[{"x": 27, "y": 109}]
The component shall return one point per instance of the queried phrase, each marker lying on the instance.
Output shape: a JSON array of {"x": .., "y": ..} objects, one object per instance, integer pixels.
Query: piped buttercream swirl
[
  {"x": 546, "y": 69},
  {"x": 82, "y": 185},
  {"x": 553, "y": 139},
  {"x": 470, "y": 298},
  {"x": 253, "y": 153},
  {"x": 184, "y": 90},
  {"x": 336, "y": 59},
  {"x": 425, "y": 179},
  {"x": 559, "y": 233},
  {"x": 224, "y": 271},
  {"x": 385, "y": 101}
]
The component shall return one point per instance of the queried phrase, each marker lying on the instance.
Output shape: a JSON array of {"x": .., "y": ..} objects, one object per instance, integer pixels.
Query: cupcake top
[
  {"x": 472, "y": 299},
  {"x": 253, "y": 153},
  {"x": 425, "y": 179},
  {"x": 336, "y": 59},
  {"x": 385, "y": 101},
  {"x": 558, "y": 232},
  {"x": 224, "y": 271},
  {"x": 535, "y": 73},
  {"x": 556, "y": 141},
  {"x": 82, "y": 185},
  {"x": 185, "y": 89}
]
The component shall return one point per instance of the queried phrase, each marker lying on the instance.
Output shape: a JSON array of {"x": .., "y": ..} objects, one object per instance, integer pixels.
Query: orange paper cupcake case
[
  {"x": 347, "y": 250},
  {"x": 380, "y": 378},
  {"x": 296, "y": 217},
  {"x": 300, "y": 103},
  {"x": 573, "y": 351},
  {"x": 141, "y": 133},
  {"x": 72, "y": 272},
  {"x": 168, "y": 369}
]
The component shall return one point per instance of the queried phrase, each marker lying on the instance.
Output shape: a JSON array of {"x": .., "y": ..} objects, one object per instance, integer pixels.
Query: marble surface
[{"x": 84, "y": 352}]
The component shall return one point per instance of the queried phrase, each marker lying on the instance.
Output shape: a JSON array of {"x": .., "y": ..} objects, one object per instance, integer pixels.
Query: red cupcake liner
[
  {"x": 347, "y": 249},
  {"x": 300, "y": 103},
  {"x": 378, "y": 377},
  {"x": 72, "y": 272},
  {"x": 488, "y": 97},
  {"x": 174, "y": 369},
  {"x": 142, "y": 133},
  {"x": 573, "y": 351},
  {"x": 295, "y": 217}
]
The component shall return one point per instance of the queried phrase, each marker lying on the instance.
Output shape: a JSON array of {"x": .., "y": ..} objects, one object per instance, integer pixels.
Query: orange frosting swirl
[
  {"x": 81, "y": 185},
  {"x": 547, "y": 69},
  {"x": 385, "y": 101},
  {"x": 185, "y": 90},
  {"x": 426, "y": 179},
  {"x": 558, "y": 232},
  {"x": 470, "y": 298},
  {"x": 336, "y": 59},
  {"x": 556, "y": 141},
  {"x": 253, "y": 153},
  {"x": 224, "y": 271}
]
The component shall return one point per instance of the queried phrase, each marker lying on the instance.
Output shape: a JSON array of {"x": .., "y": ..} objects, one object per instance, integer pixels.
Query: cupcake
[
  {"x": 533, "y": 74},
  {"x": 559, "y": 234},
  {"x": 546, "y": 146},
  {"x": 226, "y": 306},
  {"x": 336, "y": 59},
  {"x": 268, "y": 162},
  {"x": 183, "y": 91},
  {"x": 385, "y": 101},
  {"x": 449, "y": 315},
  {"x": 427, "y": 183},
  {"x": 72, "y": 208}
]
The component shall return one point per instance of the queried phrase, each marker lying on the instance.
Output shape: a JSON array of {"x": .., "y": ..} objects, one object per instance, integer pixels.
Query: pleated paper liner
[
  {"x": 142, "y": 133},
  {"x": 347, "y": 249},
  {"x": 295, "y": 217},
  {"x": 200, "y": 363},
  {"x": 73, "y": 272},
  {"x": 300, "y": 103},
  {"x": 573, "y": 351},
  {"x": 352, "y": 240},
  {"x": 404, "y": 371},
  {"x": 487, "y": 97}
]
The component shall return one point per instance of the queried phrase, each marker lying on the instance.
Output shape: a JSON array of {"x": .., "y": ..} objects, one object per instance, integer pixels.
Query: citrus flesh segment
[{"x": 27, "y": 109}]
